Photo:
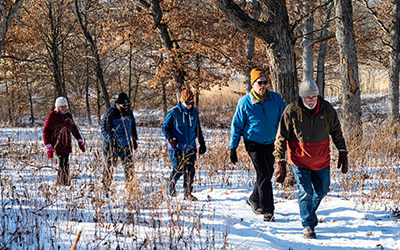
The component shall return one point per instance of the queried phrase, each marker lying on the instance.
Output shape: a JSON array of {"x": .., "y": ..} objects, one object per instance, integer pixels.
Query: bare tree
[
  {"x": 345, "y": 36},
  {"x": 274, "y": 30},
  {"x": 93, "y": 46},
  {"x": 7, "y": 15},
  {"x": 153, "y": 7}
]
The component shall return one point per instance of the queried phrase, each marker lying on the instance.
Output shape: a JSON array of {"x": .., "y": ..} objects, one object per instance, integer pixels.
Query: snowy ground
[{"x": 221, "y": 214}]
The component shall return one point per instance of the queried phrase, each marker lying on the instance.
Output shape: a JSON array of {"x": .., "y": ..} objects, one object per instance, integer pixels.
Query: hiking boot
[
  {"x": 309, "y": 233},
  {"x": 255, "y": 206},
  {"x": 315, "y": 219},
  {"x": 190, "y": 197},
  {"x": 269, "y": 217}
]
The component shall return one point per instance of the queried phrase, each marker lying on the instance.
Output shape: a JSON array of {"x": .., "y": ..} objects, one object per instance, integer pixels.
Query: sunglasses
[
  {"x": 263, "y": 82},
  {"x": 189, "y": 103}
]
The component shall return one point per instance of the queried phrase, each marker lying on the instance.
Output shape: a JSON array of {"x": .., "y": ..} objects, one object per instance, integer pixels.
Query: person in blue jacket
[
  {"x": 181, "y": 127},
  {"x": 118, "y": 128},
  {"x": 256, "y": 119}
]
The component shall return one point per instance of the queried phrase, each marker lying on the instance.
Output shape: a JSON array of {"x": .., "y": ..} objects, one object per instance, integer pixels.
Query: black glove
[
  {"x": 234, "y": 158},
  {"x": 173, "y": 142},
  {"x": 280, "y": 172},
  {"x": 343, "y": 162},
  {"x": 202, "y": 148},
  {"x": 134, "y": 144}
]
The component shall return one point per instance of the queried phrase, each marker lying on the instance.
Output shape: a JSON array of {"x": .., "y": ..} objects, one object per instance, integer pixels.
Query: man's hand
[
  {"x": 202, "y": 148},
  {"x": 173, "y": 142},
  {"x": 280, "y": 171},
  {"x": 134, "y": 144},
  {"x": 234, "y": 158},
  {"x": 343, "y": 161}
]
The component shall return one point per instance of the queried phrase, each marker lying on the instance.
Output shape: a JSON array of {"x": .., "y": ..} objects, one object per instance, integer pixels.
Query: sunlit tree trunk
[
  {"x": 393, "y": 95},
  {"x": 352, "y": 126},
  {"x": 322, "y": 53}
]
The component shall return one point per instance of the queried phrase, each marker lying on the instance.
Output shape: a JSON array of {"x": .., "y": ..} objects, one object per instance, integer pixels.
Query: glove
[
  {"x": 280, "y": 172},
  {"x": 134, "y": 144},
  {"x": 202, "y": 148},
  {"x": 81, "y": 145},
  {"x": 50, "y": 151},
  {"x": 234, "y": 158},
  {"x": 173, "y": 142},
  {"x": 343, "y": 162}
]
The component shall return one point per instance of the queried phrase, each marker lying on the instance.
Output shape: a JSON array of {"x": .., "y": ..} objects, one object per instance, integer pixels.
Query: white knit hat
[
  {"x": 308, "y": 88},
  {"x": 61, "y": 101}
]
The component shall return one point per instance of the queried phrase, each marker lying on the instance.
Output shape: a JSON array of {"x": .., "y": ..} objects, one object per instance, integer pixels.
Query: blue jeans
[
  {"x": 183, "y": 164},
  {"x": 313, "y": 187}
]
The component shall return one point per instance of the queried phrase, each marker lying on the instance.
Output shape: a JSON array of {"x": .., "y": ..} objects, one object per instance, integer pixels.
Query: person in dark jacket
[
  {"x": 118, "y": 128},
  {"x": 57, "y": 131},
  {"x": 181, "y": 127},
  {"x": 304, "y": 133},
  {"x": 256, "y": 120}
]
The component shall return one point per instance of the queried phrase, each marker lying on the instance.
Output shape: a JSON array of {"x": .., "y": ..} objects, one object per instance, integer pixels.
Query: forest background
[{"x": 89, "y": 51}]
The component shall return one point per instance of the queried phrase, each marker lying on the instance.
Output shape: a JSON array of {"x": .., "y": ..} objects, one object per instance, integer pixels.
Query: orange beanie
[{"x": 255, "y": 74}]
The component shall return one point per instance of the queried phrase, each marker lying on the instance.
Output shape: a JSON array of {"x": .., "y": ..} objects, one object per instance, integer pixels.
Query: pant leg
[
  {"x": 110, "y": 159},
  {"x": 63, "y": 170},
  {"x": 305, "y": 195},
  {"x": 321, "y": 181},
  {"x": 263, "y": 161},
  {"x": 189, "y": 171},
  {"x": 125, "y": 154},
  {"x": 177, "y": 168}
]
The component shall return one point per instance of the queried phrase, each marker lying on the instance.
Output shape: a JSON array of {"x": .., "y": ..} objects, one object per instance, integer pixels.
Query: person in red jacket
[{"x": 57, "y": 137}]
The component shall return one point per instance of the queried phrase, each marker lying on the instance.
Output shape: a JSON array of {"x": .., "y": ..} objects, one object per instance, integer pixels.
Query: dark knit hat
[
  {"x": 255, "y": 74},
  {"x": 123, "y": 98},
  {"x": 186, "y": 96}
]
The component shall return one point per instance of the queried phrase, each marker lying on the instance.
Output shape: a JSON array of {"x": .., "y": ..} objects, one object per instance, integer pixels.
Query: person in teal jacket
[
  {"x": 256, "y": 119},
  {"x": 181, "y": 127}
]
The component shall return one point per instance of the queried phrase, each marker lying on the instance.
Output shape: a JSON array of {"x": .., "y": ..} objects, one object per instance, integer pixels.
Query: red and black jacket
[{"x": 305, "y": 135}]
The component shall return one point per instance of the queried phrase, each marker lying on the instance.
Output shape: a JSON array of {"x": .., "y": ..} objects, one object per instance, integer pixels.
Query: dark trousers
[
  {"x": 111, "y": 155},
  {"x": 263, "y": 161},
  {"x": 63, "y": 177},
  {"x": 183, "y": 164}
]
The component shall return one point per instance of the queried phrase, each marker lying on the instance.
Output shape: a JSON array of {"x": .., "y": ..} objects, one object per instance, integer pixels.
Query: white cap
[
  {"x": 308, "y": 88},
  {"x": 61, "y": 101}
]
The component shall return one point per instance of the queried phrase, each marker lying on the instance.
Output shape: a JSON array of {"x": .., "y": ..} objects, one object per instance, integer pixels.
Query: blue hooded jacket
[
  {"x": 119, "y": 125},
  {"x": 184, "y": 125},
  {"x": 257, "y": 121}
]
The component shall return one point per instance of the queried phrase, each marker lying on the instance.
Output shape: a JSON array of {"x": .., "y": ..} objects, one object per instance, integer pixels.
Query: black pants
[
  {"x": 111, "y": 155},
  {"x": 63, "y": 177},
  {"x": 263, "y": 161}
]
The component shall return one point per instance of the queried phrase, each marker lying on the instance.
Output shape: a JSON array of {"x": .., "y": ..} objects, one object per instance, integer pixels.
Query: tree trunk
[
  {"x": 89, "y": 115},
  {"x": 307, "y": 45},
  {"x": 274, "y": 30},
  {"x": 93, "y": 46},
  {"x": 352, "y": 126},
  {"x": 6, "y": 19},
  {"x": 250, "y": 43},
  {"x": 393, "y": 91},
  {"x": 322, "y": 53}
]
